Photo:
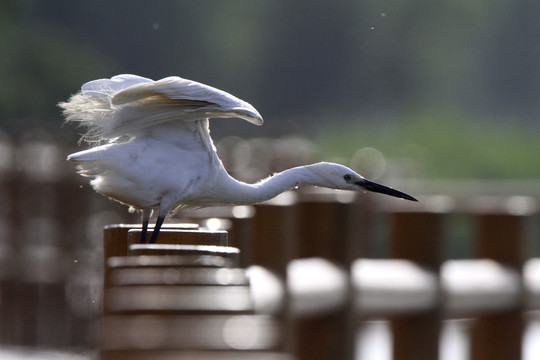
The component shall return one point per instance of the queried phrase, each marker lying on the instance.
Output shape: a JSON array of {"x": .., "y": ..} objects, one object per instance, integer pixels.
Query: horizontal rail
[{"x": 390, "y": 287}]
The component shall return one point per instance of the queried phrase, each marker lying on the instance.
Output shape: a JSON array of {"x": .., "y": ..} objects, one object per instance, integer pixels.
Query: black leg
[
  {"x": 145, "y": 218},
  {"x": 144, "y": 231},
  {"x": 155, "y": 234}
]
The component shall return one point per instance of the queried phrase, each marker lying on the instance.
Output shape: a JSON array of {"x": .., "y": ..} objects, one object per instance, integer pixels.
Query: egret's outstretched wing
[
  {"x": 126, "y": 104},
  {"x": 113, "y": 85},
  {"x": 191, "y": 96}
]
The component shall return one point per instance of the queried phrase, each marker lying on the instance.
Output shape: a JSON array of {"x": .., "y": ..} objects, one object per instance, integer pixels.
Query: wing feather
[{"x": 127, "y": 104}]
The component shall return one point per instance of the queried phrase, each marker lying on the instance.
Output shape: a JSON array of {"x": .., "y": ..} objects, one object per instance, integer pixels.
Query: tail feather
[
  {"x": 92, "y": 112},
  {"x": 91, "y": 107}
]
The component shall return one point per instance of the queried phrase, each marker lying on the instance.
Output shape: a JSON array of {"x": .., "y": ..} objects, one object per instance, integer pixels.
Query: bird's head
[{"x": 340, "y": 177}]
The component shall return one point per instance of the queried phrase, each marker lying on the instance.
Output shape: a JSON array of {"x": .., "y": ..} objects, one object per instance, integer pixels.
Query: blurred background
[
  {"x": 453, "y": 88},
  {"x": 416, "y": 93}
]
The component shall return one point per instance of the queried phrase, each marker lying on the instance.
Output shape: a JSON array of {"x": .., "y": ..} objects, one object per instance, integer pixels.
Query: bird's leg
[
  {"x": 157, "y": 227},
  {"x": 145, "y": 218}
]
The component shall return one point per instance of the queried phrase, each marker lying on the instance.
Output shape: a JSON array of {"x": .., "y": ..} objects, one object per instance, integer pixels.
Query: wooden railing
[
  {"x": 307, "y": 268},
  {"x": 316, "y": 267}
]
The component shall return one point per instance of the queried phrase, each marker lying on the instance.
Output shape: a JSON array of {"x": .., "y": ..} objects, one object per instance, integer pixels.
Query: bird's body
[
  {"x": 142, "y": 171},
  {"x": 158, "y": 153}
]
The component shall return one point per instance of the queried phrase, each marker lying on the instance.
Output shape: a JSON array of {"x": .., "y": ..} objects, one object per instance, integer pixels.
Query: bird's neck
[{"x": 237, "y": 192}]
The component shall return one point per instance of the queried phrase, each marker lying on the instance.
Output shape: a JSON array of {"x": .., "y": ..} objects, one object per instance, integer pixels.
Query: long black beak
[{"x": 374, "y": 187}]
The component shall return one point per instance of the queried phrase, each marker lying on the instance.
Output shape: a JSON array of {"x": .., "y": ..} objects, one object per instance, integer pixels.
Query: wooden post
[
  {"x": 172, "y": 300},
  {"x": 332, "y": 229},
  {"x": 115, "y": 241},
  {"x": 416, "y": 236},
  {"x": 182, "y": 237},
  {"x": 274, "y": 231},
  {"x": 500, "y": 236},
  {"x": 194, "y": 355},
  {"x": 192, "y": 332},
  {"x": 241, "y": 232},
  {"x": 228, "y": 254}
]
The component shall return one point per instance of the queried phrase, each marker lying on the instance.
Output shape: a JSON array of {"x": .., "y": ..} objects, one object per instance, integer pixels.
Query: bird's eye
[{"x": 347, "y": 177}]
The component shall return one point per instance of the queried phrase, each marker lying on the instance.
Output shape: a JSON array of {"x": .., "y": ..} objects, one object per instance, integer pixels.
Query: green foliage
[
  {"x": 296, "y": 61},
  {"x": 443, "y": 145},
  {"x": 39, "y": 66}
]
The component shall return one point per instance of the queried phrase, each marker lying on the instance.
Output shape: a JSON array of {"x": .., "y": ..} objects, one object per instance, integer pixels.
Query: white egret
[{"x": 153, "y": 149}]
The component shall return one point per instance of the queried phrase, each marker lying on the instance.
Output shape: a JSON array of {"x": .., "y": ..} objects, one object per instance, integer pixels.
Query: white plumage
[{"x": 153, "y": 150}]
